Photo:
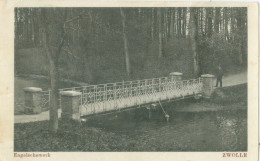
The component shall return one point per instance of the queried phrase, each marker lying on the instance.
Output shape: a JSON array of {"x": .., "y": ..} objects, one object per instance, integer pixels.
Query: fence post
[
  {"x": 114, "y": 93},
  {"x": 123, "y": 88},
  {"x": 145, "y": 86},
  {"x": 49, "y": 92},
  {"x": 95, "y": 93},
  {"x": 70, "y": 105},
  {"x": 139, "y": 87},
  {"x": 105, "y": 92},
  {"x": 160, "y": 82},
  {"x": 176, "y": 76},
  {"x": 207, "y": 85},
  {"x": 114, "y": 90},
  {"x": 152, "y": 85},
  {"x": 104, "y": 97},
  {"x": 33, "y": 98}
]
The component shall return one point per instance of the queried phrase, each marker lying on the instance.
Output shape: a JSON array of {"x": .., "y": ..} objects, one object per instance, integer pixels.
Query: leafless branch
[
  {"x": 72, "y": 28},
  {"x": 76, "y": 18}
]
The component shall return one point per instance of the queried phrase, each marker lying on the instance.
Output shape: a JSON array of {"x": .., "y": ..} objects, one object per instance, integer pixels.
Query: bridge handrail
[
  {"x": 119, "y": 90},
  {"x": 45, "y": 98},
  {"x": 161, "y": 80},
  {"x": 112, "y": 94}
]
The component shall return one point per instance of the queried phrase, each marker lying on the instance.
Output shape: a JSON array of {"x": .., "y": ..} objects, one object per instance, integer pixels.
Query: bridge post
[
  {"x": 70, "y": 105},
  {"x": 149, "y": 112},
  {"x": 207, "y": 85},
  {"x": 32, "y": 99},
  {"x": 176, "y": 76}
]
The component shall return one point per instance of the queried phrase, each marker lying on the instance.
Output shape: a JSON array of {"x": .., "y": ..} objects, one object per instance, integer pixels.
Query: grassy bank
[
  {"x": 230, "y": 95},
  {"x": 72, "y": 136},
  {"x": 227, "y": 98}
]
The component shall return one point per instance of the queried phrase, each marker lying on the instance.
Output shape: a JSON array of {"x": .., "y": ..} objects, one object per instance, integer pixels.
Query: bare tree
[
  {"x": 172, "y": 24},
  {"x": 194, "y": 36},
  {"x": 217, "y": 19},
  {"x": 127, "y": 59},
  {"x": 209, "y": 24},
  {"x": 53, "y": 30},
  {"x": 159, "y": 17},
  {"x": 184, "y": 12}
]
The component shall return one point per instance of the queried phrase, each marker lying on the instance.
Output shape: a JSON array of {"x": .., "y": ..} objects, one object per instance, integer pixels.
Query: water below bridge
[{"x": 186, "y": 131}]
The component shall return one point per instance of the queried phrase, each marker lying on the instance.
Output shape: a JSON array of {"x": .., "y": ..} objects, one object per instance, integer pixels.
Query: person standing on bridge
[{"x": 219, "y": 74}]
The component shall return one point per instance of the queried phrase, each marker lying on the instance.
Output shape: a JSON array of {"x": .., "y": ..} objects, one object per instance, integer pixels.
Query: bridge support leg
[
  {"x": 32, "y": 100},
  {"x": 70, "y": 105},
  {"x": 207, "y": 85},
  {"x": 149, "y": 113},
  {"x": 148, "y": 110},
  {"x": 167, "y": 117},
  {"x": 154, "y": 106}
]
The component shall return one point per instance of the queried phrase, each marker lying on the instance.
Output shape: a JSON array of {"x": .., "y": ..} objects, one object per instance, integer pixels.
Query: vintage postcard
[{"x": 128, "y": 81}]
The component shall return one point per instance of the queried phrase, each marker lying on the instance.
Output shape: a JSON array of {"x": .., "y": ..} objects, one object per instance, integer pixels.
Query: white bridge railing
[
  {"x": 115, "y": 96},
  {"x": 45, "y": 99},
  {"x": 95, "y": 99}
]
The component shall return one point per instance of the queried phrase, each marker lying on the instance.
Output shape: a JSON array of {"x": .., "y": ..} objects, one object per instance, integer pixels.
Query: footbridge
[{"x": 96, "y": 99}]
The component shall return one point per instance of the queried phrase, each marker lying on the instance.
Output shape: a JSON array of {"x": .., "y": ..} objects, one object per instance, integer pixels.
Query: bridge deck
[{"x": 116, "y": 104}]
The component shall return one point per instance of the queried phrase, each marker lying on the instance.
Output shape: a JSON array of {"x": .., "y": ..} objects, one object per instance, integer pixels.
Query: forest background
[{"x": 103, "y": 45}]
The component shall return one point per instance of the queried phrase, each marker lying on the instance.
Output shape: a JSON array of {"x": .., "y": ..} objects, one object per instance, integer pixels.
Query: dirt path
[
  {"x": 229, "y": 80},
  {"x": 34, "y": 117},
  {"x": 235, "y": 79}
]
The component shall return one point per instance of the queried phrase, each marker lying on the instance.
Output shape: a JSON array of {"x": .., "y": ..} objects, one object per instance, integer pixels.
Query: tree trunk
[
  {"x": 209, "y": 14},
  {"x": 160, "y": 31},
  {"x": 165, "y": 25},
  {"x": 217, "y": 19},
  {"x": 239, "y": 39},
  {"x": 223, "y": 19},
  {"x": 184, "y": 22},
  {"x": 226, "y": 23},
  {"x": 172, "y": 26},
  {"x": 201, "y": 21},
  {"x": 168, "y": 23},
  {"x": 54, "y": 74},
  {"x": 152, "y": 25},
  {"x": 194, "y": 34},
  {"x": 232, "y": 32},
  {"x": 127, "y": 59},
  {"x": 179, "y": 22},
  {"x": 244, "y": 35},
  {"x": 53, "y": 58}
]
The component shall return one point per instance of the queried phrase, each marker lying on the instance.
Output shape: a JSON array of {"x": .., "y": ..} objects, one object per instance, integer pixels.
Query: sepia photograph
[{"x": 131, "y": 79}]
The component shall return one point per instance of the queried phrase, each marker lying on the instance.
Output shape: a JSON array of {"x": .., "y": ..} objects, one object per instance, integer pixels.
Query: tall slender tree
[
  {"x": 52, "y": 29},
  {"x": 217, "y": 20},
  {"x": 194, "y": 38},
  {"x": 209, "y": 16},
  {"x": 159, "y": 17},
  {"x": 172, "y": 24},
  {"x": 184, "y": 10},
  {"x": 127, "y": 59}
]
